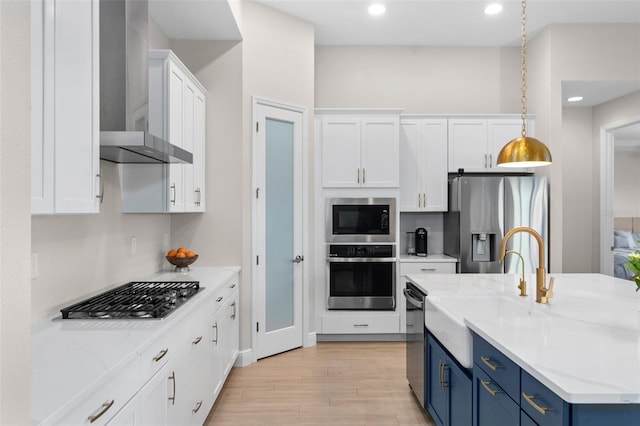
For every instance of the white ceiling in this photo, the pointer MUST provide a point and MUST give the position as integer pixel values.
(445, 22)
(413, 22)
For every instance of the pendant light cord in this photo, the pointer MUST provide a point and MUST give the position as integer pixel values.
(523, 70)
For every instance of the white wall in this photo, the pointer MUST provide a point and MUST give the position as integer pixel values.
(80, 255)
(422, 80)
(626, 194)
(274, 61)
(575, 52)
(278, 64)
(15, 210)
(577, 191)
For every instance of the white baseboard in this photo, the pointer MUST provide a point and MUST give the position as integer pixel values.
(245, 358)
(311, 340)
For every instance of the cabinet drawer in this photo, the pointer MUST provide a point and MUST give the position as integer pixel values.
(492, 405)
(105, 402)
(360, 324)
(223, 293)
(540, 403)
(501, 369)
(427, 267)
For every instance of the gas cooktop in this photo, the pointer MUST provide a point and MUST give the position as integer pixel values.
(134, 300)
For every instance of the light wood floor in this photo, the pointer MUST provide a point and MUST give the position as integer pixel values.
(333, 383)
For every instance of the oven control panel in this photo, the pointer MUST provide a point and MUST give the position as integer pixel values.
(361, 250)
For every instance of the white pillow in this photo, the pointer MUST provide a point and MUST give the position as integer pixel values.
(631, 242)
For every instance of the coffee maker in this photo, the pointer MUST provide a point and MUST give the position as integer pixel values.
(421, 242)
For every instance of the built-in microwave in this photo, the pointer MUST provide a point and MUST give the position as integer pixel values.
(356, 220)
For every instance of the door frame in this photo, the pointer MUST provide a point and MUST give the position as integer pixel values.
(307, 338)
(607, 156)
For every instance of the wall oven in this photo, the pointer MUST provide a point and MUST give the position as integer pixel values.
(354, 220)
(361, 277)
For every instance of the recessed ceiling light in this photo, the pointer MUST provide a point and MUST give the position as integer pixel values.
(574, 99)
(493, 8)
(377, 9)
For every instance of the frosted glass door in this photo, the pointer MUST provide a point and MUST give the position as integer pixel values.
(279, 224)
(279, 230)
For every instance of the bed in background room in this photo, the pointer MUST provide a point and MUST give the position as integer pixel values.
(626, 239)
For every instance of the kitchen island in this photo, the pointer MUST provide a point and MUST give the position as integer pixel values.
(583, 346)
(129, 371)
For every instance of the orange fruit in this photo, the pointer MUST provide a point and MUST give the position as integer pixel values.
(181, 255)
(191, 253)
(181, 250)
(172, 253)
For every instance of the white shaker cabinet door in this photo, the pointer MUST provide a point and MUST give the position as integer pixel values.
(423, 165)
(468, 145)
(379, 152)
(65, 114)
(341, 152)
(433, 160)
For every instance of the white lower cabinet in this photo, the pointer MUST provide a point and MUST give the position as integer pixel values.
(176, 379)
(361, 322)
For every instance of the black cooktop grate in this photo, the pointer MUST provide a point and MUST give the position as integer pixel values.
(136, 299)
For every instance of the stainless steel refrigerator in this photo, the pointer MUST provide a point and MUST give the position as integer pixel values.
(483, 208)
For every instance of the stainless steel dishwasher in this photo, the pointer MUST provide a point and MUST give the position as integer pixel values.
(415, 340)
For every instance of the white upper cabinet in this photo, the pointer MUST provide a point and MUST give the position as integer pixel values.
(474, 143)
(177, 107)
(65, 137)
(423, 165)
(360, 149)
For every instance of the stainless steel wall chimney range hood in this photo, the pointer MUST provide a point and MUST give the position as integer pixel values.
(124, 88)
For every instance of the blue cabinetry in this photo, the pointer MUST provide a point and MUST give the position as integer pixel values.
(448, 388)
(504, 394)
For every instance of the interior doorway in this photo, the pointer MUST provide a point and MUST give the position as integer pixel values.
(607, 189)
(279, 211)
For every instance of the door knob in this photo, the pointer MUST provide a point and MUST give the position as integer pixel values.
(298, 259)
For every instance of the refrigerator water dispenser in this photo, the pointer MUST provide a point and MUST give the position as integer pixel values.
(481, 247)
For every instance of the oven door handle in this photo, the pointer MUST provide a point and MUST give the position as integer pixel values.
(360, 259)
(408, 294)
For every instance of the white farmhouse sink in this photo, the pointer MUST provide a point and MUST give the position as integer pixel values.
(445, 315)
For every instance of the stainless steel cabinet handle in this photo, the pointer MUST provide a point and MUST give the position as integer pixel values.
(488, 363)
(173, 199)
(298, 259)
(160, 355)
(103, 409)
(445, 367)
(363, 176)
(485, 161)
(361, 325)
(172, 377)
(418, 200)
(233, 314)
(490, 160)
(219, 299)
(440, 372)
(530, 400)
(198, 405)
(198, 339)
(216, 328)
(428, 269)
(485, 385)
(424, 200)
(232, 285)
(101, 195)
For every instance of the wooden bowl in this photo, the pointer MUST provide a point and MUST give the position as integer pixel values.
(181, 262)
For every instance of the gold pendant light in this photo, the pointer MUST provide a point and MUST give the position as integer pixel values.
(524, 151)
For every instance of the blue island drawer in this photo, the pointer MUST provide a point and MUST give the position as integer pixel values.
(541, 404)
(501, 369)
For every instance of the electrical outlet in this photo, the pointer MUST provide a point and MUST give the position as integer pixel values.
(133, 246)
(35, 267)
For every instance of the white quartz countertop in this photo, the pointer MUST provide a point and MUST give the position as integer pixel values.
(69, 358)
(428, 258)
(584, 344)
